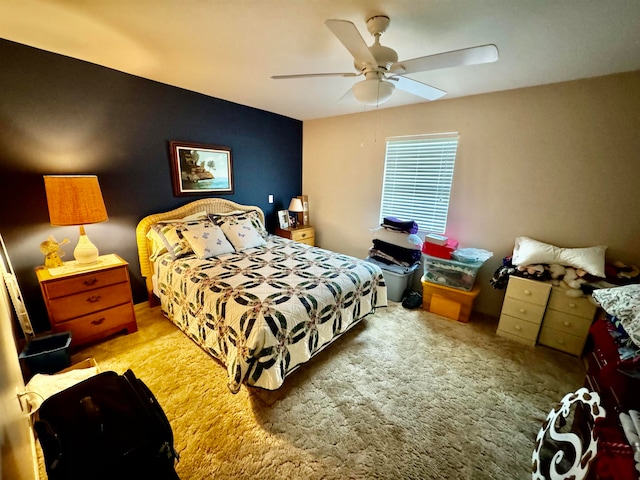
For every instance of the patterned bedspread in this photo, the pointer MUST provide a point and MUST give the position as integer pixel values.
(264, 311)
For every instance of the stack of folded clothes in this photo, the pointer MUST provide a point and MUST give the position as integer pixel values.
(396, 245)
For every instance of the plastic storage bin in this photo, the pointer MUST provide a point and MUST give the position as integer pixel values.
(450, 273)
(397, 283)
(448, 302)
(48, 354)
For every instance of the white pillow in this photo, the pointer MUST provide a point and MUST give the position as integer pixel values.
(242, 235)
(530, 252)
(207, 240)
(623, 303)
(158, 246)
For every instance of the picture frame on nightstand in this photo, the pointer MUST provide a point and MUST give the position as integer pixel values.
(283, 219)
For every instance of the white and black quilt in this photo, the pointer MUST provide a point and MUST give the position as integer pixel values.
(264, 311)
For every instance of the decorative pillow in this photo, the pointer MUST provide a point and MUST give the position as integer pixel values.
(624, 303)
(240, 216)
(529, 252)
(158, 246)
(171, 235)
(242, 234)
(207, 240)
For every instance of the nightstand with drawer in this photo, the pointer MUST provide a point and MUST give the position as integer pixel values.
(566, 322)
(92, 302)
(303, 234)
(523, 309)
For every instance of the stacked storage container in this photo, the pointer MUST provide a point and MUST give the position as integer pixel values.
(448, 282)
(397, 251)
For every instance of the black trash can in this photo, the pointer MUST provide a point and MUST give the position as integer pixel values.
(48, 354)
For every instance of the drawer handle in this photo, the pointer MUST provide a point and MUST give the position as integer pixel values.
(566, 324)
(518, 327)
(97, 321)
(94, 298)
(572, 305)
(522, 310)
(303, 235)
(527, 292)
(90, 281)
(561, 342)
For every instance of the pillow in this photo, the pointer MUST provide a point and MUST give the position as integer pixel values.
(207, 240)
(158, 247)
(242, 234)
(239, 216)
(529, 252)
(623, 303)
(171, 235)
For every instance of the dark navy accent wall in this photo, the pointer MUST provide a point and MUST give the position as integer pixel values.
(59, 115)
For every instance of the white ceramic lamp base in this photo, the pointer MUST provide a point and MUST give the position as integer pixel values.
(85, 252)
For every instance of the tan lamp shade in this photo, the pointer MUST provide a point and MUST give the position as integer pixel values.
(295, 205)
(74, 200)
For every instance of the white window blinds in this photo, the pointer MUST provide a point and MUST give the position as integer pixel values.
(418, 172)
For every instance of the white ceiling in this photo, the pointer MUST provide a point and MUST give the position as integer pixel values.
(230, 48)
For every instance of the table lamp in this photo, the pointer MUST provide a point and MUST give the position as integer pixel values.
(76, 200)
(296, 206)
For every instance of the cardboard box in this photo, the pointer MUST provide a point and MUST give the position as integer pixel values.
(86, 363)
(448, 302)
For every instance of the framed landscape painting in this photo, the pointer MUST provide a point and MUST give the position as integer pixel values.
(198, 169)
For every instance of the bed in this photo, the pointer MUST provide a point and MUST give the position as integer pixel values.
(262, 305)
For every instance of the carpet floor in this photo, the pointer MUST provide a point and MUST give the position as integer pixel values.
(405, 395)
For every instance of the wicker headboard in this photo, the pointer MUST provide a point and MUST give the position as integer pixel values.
(210, 205)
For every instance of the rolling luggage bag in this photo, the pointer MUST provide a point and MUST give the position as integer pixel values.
(109, 426)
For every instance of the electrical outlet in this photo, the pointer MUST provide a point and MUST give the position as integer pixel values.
(270, 198)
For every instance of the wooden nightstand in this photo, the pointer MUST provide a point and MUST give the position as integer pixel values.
(92, 302)
(566, 322)
(523, 309)
(304, 234)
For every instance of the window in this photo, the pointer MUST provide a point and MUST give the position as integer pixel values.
(418, 172)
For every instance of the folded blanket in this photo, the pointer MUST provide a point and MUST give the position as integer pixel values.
(389, 265)
(401, 239)
(403, 255)
(386, 259)
(393, 223)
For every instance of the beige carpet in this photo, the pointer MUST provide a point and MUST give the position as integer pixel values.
(405, 395)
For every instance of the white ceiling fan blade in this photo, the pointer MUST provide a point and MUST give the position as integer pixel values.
(349, 36)
(306, 75)
(418, 88)
(455, 58)
(348, 95)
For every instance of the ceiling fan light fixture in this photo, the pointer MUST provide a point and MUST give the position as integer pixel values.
(373, 91)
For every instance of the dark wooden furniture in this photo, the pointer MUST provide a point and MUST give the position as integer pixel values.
(619, 391)
(91, 302)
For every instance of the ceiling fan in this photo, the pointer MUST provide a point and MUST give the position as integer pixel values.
(382, 70)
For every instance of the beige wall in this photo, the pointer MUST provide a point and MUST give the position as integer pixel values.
(559, 163)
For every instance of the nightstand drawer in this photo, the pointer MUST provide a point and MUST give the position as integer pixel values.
(523, 310)
(81, 283)
(581, 306)
(96, 325)
(562, 341)
(72, 306)
(526, 331)
(301, 235)
(571, 324)
(528, 290)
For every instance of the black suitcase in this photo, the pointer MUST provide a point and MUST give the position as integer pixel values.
(109, 426)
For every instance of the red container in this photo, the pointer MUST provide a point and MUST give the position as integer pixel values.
(440, 251)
